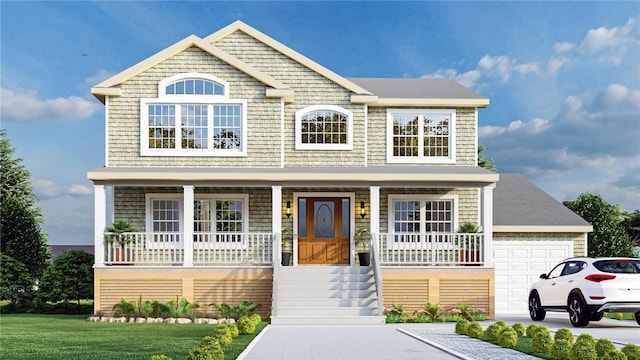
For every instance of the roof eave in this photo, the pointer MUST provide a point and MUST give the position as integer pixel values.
(542, 228)
(452, 102)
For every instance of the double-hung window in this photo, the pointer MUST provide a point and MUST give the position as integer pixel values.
(421, 218)
(324, 127)
(193, 115)
(421, 136)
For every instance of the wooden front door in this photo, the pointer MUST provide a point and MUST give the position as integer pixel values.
(323, 231)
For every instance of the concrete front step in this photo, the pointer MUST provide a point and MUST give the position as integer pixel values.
(326, 269)
(292, 303)
(327, 320)
(327, 311)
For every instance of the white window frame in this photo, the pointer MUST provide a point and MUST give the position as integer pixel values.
(191, 99)
(421, 158)
(149, 198)
(245, 219)
(338, 109)
(391, 243)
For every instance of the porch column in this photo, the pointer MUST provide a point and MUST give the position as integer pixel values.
(487, 223)
(99, 222)
(374, 208)
(188, 225)
(276, 219)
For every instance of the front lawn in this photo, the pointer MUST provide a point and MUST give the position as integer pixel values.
(29, 336)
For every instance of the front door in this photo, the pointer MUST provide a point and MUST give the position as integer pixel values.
(323, 231)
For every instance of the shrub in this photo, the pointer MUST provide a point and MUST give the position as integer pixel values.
(256, 318)
(617, 316)
(564, 334)
(542, 341)
(212, 346)
(124, 308)
(160, 357)
(614, 355)
(395, 314)
(461, 326)
(603, 346)
(234, 330)
(434, 311)
(587, 338)
(246, 326)
(561, 349)
(583, 350)
(632, 351)
(519, 328)
(532, 329)
(223, 334)
(493, 331)
(244, 308)
(508, 338)
(474, 330)
(421, 316)
(206, 353)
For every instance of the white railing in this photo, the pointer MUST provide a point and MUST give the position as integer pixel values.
(431, 249)
(168, 249)
(377, 272)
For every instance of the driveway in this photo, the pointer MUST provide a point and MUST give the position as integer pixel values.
(620, 332)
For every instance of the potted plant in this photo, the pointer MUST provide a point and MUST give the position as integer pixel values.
(362, 240)
(117, 233)
(468, 252)
(287, 245)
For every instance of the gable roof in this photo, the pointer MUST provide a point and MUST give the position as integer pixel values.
(111, 85)
(420, 92)
(519, 205)
(287, 51)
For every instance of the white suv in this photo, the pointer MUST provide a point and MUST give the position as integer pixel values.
(586, 288)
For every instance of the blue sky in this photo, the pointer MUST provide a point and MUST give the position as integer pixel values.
(563, 79)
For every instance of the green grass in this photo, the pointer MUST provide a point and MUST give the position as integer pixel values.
(29, 336)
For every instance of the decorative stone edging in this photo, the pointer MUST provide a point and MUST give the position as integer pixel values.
(138, 320)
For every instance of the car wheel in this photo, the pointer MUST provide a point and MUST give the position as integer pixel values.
(597, 316)
(535, 309)
(578, 312)
(638, 317)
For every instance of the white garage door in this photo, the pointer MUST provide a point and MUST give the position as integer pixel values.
(518, 265)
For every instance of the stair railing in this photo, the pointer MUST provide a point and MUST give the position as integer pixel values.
(377, 270)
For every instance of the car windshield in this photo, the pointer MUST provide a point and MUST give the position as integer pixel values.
(618, 266)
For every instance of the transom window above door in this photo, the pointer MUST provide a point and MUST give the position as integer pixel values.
(421, 136)
(324, 127)
(193, 116)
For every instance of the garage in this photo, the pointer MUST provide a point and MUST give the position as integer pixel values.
(517, 265)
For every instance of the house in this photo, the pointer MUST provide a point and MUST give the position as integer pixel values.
(229, 152)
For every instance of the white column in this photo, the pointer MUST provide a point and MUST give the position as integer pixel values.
(374, 208)
(99, 222)
(188, 225)
(487, 223)
(276, 220)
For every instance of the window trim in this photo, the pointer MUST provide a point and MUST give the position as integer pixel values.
(149, 198)
(298, 128)
(423, 198)
(191, 99)
(421, 159)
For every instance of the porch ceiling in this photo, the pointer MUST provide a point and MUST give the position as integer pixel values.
(449, 176)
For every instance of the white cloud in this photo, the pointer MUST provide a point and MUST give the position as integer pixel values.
(76, 189)
(602, 38)
(99, 77)
(563, 47)
(467, 79)
(27, 107)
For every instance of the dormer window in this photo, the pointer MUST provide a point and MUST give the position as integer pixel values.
(324, 127)
(193, 115)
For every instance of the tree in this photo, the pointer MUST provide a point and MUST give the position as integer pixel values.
(15, 180)
(484, 162)
(608, 237)
(20, 236)
(16, 285)
(631, 224)
(70, 277)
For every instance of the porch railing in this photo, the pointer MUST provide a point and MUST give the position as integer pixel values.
(431, 249)
(208, 249)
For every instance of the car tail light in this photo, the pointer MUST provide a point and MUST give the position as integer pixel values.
(597, 297)
(599, 277)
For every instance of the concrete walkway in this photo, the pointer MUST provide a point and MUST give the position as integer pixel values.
(348, 342)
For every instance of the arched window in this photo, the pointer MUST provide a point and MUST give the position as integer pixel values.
(193, 116)
(324, 127)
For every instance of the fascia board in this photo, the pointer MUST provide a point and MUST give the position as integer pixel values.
(474, 103)
(286, 94)
(240, 26)
(541, 229)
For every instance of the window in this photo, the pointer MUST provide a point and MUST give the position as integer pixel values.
(324, 127)
(193, 116)
(164, 218)
(421, 136)
(225, 217)
(411, 216)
